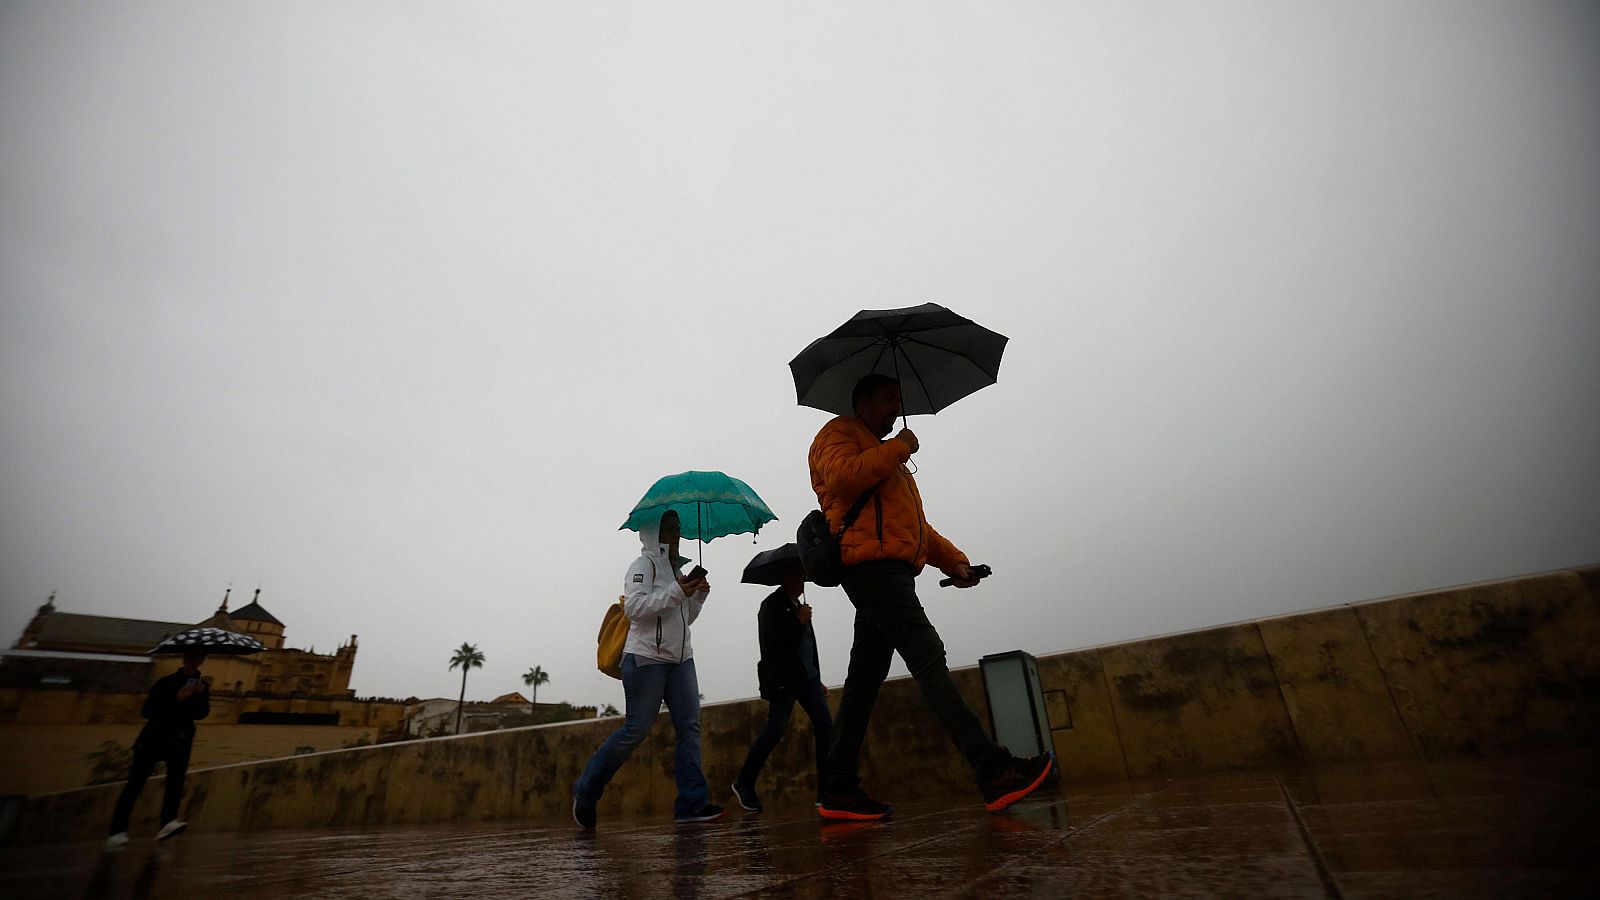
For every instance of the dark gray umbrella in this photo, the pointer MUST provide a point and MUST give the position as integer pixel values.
(769, 566)
(213, 641)
(938, 356)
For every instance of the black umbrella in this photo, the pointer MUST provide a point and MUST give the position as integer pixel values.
(213, 641)
(938, 357)
(769, 566)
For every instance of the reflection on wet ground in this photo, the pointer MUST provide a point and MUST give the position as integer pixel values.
(1524, 827)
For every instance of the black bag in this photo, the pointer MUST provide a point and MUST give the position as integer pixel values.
(819, 547)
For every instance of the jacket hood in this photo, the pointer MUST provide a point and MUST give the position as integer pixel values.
(650, 535)
(650, 540)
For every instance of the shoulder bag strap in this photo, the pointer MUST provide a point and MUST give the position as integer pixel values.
(856, 508)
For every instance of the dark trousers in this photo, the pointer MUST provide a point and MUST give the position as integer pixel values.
(813, 698)
(147, 751)
(889, 620)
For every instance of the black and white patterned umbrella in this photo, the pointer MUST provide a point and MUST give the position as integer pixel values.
(215, 641)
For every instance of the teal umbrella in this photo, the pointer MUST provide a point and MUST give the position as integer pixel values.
(709, 505)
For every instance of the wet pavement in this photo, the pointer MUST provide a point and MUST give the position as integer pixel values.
(1512, 828)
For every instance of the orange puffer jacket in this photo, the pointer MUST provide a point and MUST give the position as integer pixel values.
(847, 459)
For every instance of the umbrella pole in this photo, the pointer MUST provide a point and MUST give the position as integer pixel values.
(699, 542)
(894, 354)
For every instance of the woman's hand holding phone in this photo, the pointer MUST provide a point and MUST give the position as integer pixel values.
(695, 582)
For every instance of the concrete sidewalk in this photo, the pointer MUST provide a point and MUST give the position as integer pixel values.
(1524, 827)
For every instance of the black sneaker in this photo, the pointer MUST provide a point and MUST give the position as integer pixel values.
(747, 797)
(583, 815)
(708, 813)
(852, 805)
(1015, 779)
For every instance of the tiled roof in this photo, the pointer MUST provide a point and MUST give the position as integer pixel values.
(66, 631)
(255, 612)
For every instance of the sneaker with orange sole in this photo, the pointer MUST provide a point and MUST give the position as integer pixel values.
(851, 805)
(1016, 779)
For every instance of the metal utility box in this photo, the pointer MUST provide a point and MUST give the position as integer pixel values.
(1017, 713)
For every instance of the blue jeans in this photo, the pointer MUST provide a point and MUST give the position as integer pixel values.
(644, 687)
(813, 698)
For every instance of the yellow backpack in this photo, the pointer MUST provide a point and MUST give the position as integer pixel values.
(613, 634)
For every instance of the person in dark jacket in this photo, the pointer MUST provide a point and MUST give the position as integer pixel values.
(174, 704)
(788, 673)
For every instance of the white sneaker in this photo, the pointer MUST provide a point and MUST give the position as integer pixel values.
(117, 841)
(170, 829)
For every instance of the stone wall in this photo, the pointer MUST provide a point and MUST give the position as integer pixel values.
(1481, 670)
(46, 734)
(66, 706)
(1475, 670)
(36, 758)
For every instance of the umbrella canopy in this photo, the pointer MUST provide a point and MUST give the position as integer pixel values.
(938, 356)
(769, 566)
(709, 505)
(213, 641)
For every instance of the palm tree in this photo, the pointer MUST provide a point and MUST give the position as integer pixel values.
(109, 763)
(533, 678)
(467, 657)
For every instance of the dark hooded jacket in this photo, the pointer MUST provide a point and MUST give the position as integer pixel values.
(782, 668)
(168, 717)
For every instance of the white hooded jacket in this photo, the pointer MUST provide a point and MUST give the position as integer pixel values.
(659, 615)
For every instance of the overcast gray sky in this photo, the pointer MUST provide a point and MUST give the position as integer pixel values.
(394, 310)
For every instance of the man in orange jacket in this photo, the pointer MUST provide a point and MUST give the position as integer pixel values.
(882, 552)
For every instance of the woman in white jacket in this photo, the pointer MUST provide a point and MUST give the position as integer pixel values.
(657, 665)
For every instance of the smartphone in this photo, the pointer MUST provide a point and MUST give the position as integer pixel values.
(979, 572)
(697, 572)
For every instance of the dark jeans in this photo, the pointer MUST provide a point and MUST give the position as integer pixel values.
(813, 698)
(889, 620)
(172, 749)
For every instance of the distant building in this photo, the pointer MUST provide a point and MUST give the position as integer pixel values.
(62, 651)
(437, 717)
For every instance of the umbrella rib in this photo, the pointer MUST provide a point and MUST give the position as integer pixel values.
(869, 341)
(916, 340)
(955, 359)
(922, 383)
(885, 345)
(949, 350)
(856, 352)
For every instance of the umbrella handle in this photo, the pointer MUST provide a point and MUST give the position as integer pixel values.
(909, 461)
